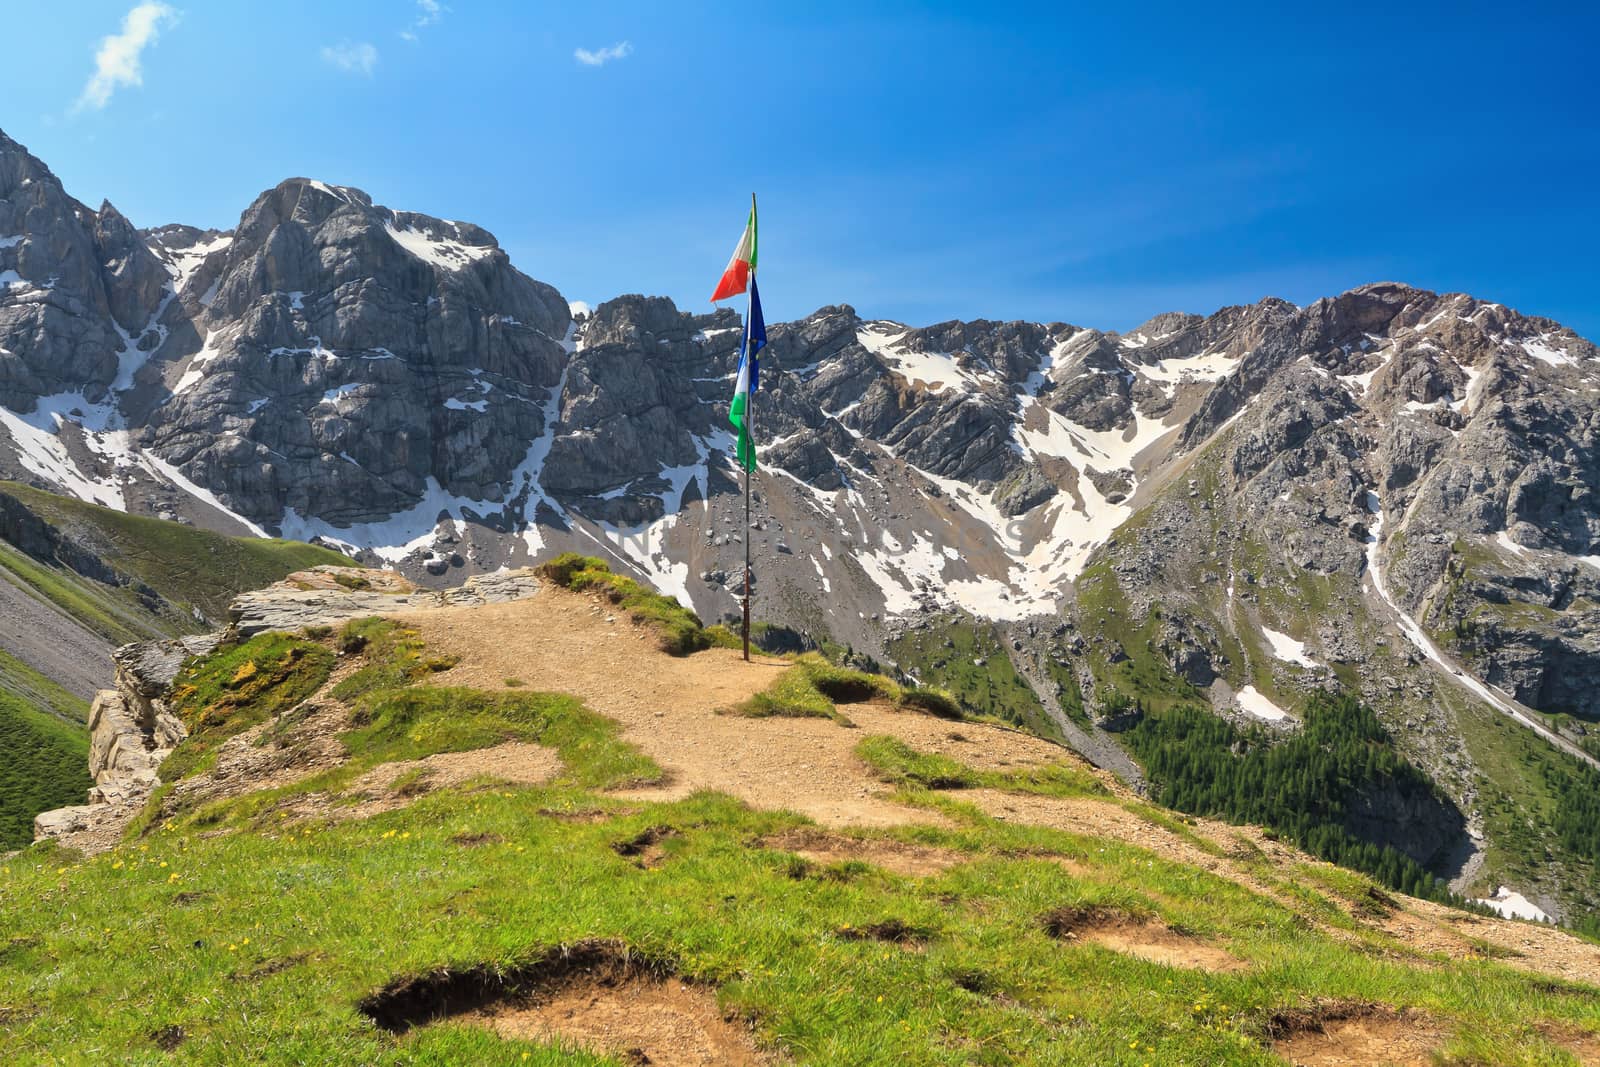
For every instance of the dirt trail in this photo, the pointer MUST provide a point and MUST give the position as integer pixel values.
(667, 705)
(566, 642)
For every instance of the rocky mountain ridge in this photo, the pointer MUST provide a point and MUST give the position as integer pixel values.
(1389, 490)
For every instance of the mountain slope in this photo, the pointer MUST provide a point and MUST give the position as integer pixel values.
(598, 834)
(1391, 492)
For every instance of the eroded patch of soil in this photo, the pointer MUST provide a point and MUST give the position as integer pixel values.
(890, 931)
(1344, 1034)
(1585, 1047)
(168, 1037)
(594, 994)
(898, 857)
(644, 848)
(1147, 938)
(517, 762)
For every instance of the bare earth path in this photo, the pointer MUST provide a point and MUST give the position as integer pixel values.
(565, 642)
(562, 642)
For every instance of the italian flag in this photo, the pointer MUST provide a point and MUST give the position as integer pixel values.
(743, 264)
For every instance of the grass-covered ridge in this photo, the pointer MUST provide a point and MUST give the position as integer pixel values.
(390, 718)
(267, 941)
(815, 687)
(188, 566)
(262, 922)
(679, 628)
(408, 724)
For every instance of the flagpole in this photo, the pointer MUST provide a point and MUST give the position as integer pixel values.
(749, 416)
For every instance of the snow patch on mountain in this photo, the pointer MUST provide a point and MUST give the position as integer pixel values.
(445, 253)
(1287, 648)
(1205, 367)
(1545, 353)
(1256, 703)
(1514, 905)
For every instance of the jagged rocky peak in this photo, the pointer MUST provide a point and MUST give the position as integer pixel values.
(1161, 328)
(72, 282)
(308, 237)
(640, 397)
(345, 361)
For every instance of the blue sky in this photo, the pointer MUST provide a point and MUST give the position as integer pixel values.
(922, 162)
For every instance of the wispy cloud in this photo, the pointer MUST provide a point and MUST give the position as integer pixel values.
(429, 12)
(358, 58)
(116, 64)
(620, 50)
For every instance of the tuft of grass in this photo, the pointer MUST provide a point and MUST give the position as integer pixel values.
(237, 687)
(394, 656)
(932, 701)
(679, 629)
(413, 783)
(813, 687)
(515, 683)
(900, 764)
(721, 636)
(791, 695)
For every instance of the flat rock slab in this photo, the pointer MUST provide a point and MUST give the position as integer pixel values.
(288, 606)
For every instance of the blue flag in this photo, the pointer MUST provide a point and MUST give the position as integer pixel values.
(757, 335)
(750, 346)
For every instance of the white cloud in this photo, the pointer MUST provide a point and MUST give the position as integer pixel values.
(428, 13)
(620, 50)
(116, 64)
(358, 58)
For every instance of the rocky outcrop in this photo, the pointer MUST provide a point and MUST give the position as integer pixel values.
(329, 596)
(346, 359)
(131, 732)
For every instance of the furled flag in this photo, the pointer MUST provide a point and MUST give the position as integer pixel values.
(743, 263)
(745, 383)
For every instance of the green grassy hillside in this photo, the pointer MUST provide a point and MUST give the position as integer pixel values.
(43, 765)
(269, 929)
(189, 567)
